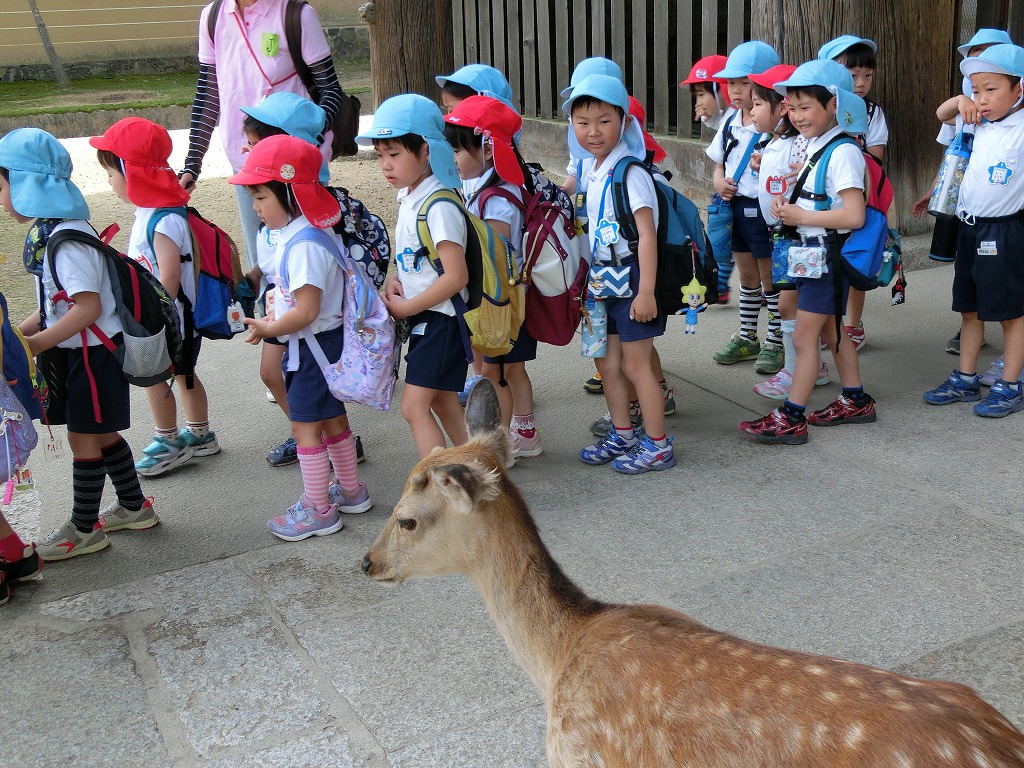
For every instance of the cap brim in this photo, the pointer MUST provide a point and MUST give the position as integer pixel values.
(731, 74)
(248, 179)
(100, 142)
(974, 66)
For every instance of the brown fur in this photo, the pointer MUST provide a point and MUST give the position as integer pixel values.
(643, 686)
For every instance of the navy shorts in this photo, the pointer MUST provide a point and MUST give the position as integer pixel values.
(817, 294)
(436, 358)
(524, 350)
(309, 399)
(111, 392)
(750, 233)
(619, 322)
(988, 276)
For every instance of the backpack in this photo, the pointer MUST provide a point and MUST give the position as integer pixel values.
(19, 367)
(18, 386)
(367, 371)
(684, 252)
(345, 123)
(494, 312)
(150, 351)
(554, 265)
(364, 235)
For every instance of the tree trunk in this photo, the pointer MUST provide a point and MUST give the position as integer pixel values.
(916, 67)
(59, 73)
(410, 44)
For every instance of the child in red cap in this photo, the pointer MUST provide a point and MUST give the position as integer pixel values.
(282, 174)
(710, 98)
(136, 156)
(481, 131)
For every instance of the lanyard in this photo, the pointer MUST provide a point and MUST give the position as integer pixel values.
(600, 216)
(252, 53)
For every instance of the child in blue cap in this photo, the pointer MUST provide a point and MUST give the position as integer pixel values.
(823, 108)
(36, 188)
(988, 281)
(602, 128)
(415, 158)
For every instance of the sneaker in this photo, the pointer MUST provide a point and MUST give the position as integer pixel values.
(823, 375)
(670, 399)
(162, 455)
(953, 390)
(201, 446)
(993, 374)
(843, 410)
(594, 385)
(23, 569)
(270, 396)
(953, 345)
(775, 428)
(67, 541)
(360, 454)
(856, 334)
(526, 443)
(645, 456)
(600, 427)
(470, 381)
(355, 504)
(740, 347)
(770, 359)
(609, 447)
(116, 518)
(286, 453)
(723, 297)
(1002, 399)
(777, 387)
(301, 522)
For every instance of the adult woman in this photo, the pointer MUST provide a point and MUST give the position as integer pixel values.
(243, 57)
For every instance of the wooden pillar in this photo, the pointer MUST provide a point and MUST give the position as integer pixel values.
(917, 60)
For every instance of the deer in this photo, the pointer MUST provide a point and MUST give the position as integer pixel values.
(646, 686)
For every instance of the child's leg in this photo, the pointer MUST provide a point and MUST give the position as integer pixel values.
(972, 338)
(346, 493)
(197, 433)
(845, 356)
(446, 407)
(426, 433)
(750, 292)
(272, 375)
(167, 450)
(616, 392)
(1013, 348)
(808, 331)
(636, 362)
(522, 389)
(314, 463)
(855, 308)
(164, 408)
(772, 296)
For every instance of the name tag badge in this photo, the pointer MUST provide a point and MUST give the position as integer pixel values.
(750, 213)
(418, 330)
(776, 185)
(407, 261)
(272, 236)
(987, 248)
(607, 232)
(270, 44)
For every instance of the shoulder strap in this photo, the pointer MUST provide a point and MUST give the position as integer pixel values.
(293, 37)
(155, 218)
(620, 197)
(310, 235)
(728, 141)
(504, 194)
(751, 146)
(826, 154)
(211, 20)
(811, 162)
(421, 221)
(76, 236)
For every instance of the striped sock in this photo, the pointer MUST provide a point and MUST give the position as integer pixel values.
(315, 467)
(774, 334)
(724, 273)
(342, 450)
(170, 435)
(120, 465)
(198, 428)
(88, 477)
(750, 308)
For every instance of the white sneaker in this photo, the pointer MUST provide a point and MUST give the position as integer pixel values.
(823, 376)
(270, 396)
(993, 374)
(67, 541)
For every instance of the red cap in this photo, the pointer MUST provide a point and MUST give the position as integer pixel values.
(701, 71)
(296, 163)
(145, 150)
(773, 75)
(498, 123)
(636, 109)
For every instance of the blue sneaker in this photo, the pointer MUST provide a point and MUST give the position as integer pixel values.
(470, 381)
(954, 390)
(286, 453)
(609, 447)
(162, 455)
(300, 522)
(1003, 399)
(645, 457)
(201, 446)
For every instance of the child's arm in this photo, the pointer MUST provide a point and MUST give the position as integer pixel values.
(725, 187)
(305, 311)
(454, 279)
(569, 185)
(168, 260)
(86, 311)
(31, 325)
(500, 227)
(644, 307)
(877, 151)
(850, 216)
(959, 105)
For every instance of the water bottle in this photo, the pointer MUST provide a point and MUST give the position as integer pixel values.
(594, 330)
(946, 190)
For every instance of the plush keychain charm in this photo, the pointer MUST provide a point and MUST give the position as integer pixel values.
(693, 297)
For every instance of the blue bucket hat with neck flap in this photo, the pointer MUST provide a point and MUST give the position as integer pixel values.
(39, 169)
(295, 116)
(851, 111)
(485, 80)
(595, 65)
(610, 90)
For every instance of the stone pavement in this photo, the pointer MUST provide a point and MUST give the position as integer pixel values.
(206, 642)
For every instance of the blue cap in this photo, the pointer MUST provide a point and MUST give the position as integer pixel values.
(611, 91)
(985, 37)
(295, 116)
(833, 48)
(411, 113)
(39, 169)
(485, 80)
(750, 58)
(851, 110)
(1006, 59)
(596, 65)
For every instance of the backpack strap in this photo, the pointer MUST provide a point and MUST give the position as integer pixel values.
(188, 316)
(293, 37)
(211, 20)
(821, 201)
(620, 199)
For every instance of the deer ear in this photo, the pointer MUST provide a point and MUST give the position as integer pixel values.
(483, 414)
(466, 485)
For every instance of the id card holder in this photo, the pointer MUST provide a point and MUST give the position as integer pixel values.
(807, 261)
(609, 282)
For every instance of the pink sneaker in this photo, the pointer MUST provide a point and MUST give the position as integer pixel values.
(823, 377)
(777, 387)
(527, 443)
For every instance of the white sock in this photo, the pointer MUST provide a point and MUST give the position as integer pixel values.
(788, 326)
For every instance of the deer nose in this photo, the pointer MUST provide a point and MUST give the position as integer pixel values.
(366, 565)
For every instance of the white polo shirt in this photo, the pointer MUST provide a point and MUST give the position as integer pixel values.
(993, 183)
(747, 184)
(309, 264)
(845, 170)
(878, 129)
(600, 202)
(775, 166)
(497, 208)
(176, 228)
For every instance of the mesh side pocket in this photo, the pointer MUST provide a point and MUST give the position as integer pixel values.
(145, 356)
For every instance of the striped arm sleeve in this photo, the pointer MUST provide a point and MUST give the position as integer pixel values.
(329, 89)
(205, 113)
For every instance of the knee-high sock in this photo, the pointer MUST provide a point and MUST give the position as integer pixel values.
(120, 465)
(315, 468)
(342, 450)
(750, 308)
(88, 477)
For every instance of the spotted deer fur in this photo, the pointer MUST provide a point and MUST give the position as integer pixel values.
(643, 686)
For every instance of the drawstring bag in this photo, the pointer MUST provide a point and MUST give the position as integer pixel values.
(17, 434)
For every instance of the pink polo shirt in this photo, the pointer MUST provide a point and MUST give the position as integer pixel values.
(252, 60)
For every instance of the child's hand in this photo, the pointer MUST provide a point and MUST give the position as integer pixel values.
(644, 307)
(969, 110)
(397, 305)
(755, 161)
(794, 171)
(699, 112)
(777, 202)
(726, 188)
(789, 213)
(393, 288)
(259, 329)
(921, 205)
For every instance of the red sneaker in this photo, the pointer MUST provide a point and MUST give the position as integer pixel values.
(723, 297)
(776, 428)
(856, 334)
(843, 410)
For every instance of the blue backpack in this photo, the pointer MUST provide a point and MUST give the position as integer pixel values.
(684, 252)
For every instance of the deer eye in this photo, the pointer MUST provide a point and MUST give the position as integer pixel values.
(406, 523)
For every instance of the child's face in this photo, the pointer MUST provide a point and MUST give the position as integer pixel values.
(598, 128)
(449, 102)
(269, 208)
(705, 104)
(863, 79)
(472, 163)
(765, 116)
(5, 201)
(739, 92)
(251, 140)
(808, 115)
(118, 183)
(994, 93)
(402, 167)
